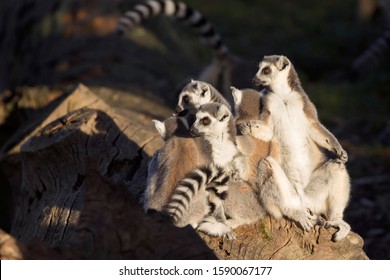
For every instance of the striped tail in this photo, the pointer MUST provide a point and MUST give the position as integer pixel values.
(210, 178)
(177, 10)
(374, 54)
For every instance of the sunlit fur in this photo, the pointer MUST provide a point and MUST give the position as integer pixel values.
(312, 160)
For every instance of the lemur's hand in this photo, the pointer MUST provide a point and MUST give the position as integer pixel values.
(257, 129)
(245, 128)
(341, 153)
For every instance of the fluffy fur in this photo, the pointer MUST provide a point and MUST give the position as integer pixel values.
(312, 162)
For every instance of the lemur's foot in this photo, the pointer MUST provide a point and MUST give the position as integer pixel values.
(231, 235)
(305, 219)
(343, 229)
(212, 227)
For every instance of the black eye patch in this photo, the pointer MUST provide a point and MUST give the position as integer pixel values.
(266, 70)
(205, 121)
(185, 99)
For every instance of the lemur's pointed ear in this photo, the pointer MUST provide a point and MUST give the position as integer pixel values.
(205, 88)
(282, 63)
(160, 126)
(237, 96)
(223, 113)
(192, 81)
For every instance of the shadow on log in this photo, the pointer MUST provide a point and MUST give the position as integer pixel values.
(82, 175)
(112, 226)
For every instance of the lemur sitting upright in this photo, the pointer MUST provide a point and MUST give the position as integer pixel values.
(312, 166)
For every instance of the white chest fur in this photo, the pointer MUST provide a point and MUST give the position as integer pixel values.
(223, 151)
(290, 127)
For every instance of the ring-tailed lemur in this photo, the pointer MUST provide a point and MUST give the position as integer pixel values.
(225, 70)
(248, 104)
(312, 169)
(215, 124)
(160, 174)
(197, 93)
(215, 127)
(191, 97)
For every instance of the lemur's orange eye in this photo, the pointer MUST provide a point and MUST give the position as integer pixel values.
(266, 70)
(185, 99)
(205, 121)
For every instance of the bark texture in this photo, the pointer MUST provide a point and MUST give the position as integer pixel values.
(83, 171)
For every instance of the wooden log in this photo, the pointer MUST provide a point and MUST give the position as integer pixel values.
(271, 239)
(81, 176)
(79, 97)
(84, 213)
(112, 226)
(54, 164)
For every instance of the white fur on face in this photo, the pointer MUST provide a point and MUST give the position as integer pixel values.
(276, 79)
(265, 80)
(214, 129)
(199, 95)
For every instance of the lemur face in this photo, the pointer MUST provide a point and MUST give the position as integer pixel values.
(266, 74)
(193, 95)
(212, 119)
(270, 69)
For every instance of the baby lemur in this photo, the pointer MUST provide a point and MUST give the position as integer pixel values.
(311, 170)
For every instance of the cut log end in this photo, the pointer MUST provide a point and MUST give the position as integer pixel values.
(58, 130)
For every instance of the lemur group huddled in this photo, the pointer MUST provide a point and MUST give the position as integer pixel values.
(228, 163)
(220, 167)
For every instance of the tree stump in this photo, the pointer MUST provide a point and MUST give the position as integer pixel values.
(82, 174)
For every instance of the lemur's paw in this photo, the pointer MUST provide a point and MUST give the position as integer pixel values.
(244, 128)
(341, 154)
(249, 127)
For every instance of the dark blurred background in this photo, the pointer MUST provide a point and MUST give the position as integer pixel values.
(51, 45)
